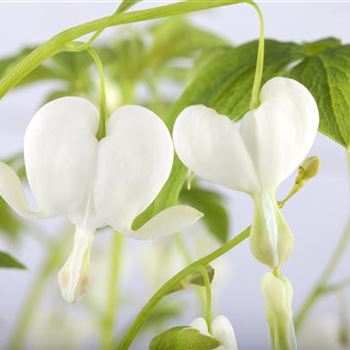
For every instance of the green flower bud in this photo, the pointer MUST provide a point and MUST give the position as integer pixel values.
(308, 169)
(271, 239)
(278, 294)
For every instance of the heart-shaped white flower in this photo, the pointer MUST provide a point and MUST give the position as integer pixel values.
(253, 156)
(95, 183)
(221, 330)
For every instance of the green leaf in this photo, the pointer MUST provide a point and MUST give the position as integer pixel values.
(182, 337)
(7, 261)
(327, 76)
(315, 47)
(210, 204)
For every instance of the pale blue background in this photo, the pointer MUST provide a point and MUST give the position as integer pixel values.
(317, 215)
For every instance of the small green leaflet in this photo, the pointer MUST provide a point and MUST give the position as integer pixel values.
(9, 262)
(182, 337)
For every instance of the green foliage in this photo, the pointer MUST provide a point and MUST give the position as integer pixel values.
(211, 205)
(327, 76)
(9, 262)
(182, 337)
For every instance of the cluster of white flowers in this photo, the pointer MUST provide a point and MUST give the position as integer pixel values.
(109, 182)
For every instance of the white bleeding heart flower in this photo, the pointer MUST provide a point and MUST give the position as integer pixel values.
(254, 155)
(95, 183)
(221, 330)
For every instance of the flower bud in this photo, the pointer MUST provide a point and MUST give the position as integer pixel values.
(278, 294)
(308, 169)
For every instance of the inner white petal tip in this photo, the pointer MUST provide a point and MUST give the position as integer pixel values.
(74, 278)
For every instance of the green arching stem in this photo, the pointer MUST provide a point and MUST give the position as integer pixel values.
(208, 312)
(109, 319)
(54, 258)
(321, 285)
(58, 43)
(101, 133)
(173, 282)
(77, 46)
(254, 102)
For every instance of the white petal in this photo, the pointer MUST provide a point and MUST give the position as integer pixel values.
(134, 162)
(223, 332)
(201, 325)
(167, 222)
(60, 153)
(74, 277)
(281, 131)
(210, 145)
(12, 192)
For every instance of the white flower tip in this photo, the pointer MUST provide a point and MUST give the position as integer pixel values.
(74, 278)
(73, 290)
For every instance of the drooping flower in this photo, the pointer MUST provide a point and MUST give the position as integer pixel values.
(278, 295)
(221, 330)
(253, 156)
(95, 183)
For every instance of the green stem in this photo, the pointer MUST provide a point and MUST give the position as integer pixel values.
(58, 42)
(336, 287)
(173, 282)
(255, 101)
(77, 46)
(321, 284)
(208, 312)
(101, 133)
(54, 258)
(109, 320)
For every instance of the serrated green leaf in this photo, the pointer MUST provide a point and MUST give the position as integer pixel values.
(211, 205)
(9, 262)
(182, 337)
(327, 76)
(315, 47)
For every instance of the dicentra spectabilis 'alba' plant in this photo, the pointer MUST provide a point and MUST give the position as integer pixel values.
(95, 183)
(253, 156)
(221, 330)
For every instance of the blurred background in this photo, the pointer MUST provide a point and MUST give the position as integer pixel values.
(317, 215)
